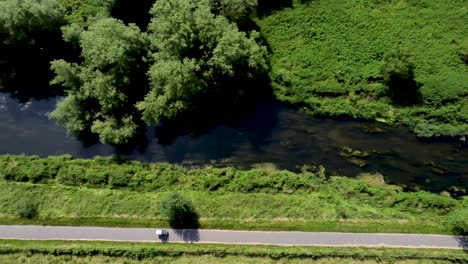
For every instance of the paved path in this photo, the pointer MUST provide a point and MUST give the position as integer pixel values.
(231, 237)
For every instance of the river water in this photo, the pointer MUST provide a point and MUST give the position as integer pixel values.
(272, 136)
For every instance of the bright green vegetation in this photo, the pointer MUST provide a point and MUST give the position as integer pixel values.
(184, 60)
(329, 57)
(106, 191)
(24, 20)
(179, 211)
(192, 55)
(114, 252)
(400, 62)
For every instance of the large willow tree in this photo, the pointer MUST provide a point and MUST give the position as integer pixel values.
(192, 55)
(198, 55)
(104, 87)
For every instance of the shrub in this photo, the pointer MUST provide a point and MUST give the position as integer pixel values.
(459, 223)
(97, 177)
(179, 211)
(398, 74)
(71, 175)
(119, 178)
(26, 208)
(424, 200)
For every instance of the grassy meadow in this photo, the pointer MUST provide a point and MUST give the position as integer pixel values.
(327, 57)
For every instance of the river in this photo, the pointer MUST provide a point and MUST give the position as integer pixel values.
(273, 136)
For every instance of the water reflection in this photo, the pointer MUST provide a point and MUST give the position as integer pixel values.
(271, 135)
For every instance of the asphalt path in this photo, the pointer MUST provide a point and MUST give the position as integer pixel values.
(232, 237)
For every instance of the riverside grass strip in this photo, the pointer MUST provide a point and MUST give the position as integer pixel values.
(226, 198)
(141, 251)
(65, 205)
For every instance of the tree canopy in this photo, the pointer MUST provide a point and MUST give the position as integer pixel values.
(103, 89)
(197, 54)
(193, 53)
(22, 20)
(179, 211)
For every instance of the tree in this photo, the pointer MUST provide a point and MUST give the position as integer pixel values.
(82, 14)
(398, 75)
(179, 211)
(103, 89)
(25, 20)
(200, 58)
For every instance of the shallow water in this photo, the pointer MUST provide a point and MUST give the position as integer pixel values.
(272, 136)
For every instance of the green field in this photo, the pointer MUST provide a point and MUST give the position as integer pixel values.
(327, 57)
(256, 199)
(111, 252)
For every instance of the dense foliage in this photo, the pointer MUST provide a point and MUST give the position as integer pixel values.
(103, 89)
(327, 57)
(192, 55)
(116, 173)
(199, 54)
(459, 224)
(332, 58)
(179, 211)
(24, 20)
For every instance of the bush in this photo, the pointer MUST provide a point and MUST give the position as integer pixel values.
(119, 178)
(97, 177)
(459, 223)
(136, 175)
(71, 175)
(398, 74)
(26, 208)
(180, 212)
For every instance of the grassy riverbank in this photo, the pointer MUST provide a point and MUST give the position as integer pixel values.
(327, 57)
(113, 252)
(62, 205)
(224, 198)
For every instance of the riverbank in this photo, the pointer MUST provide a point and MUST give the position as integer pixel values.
(110, 192)
(327, 57)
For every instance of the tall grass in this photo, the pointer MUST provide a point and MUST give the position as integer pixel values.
(328, 54)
